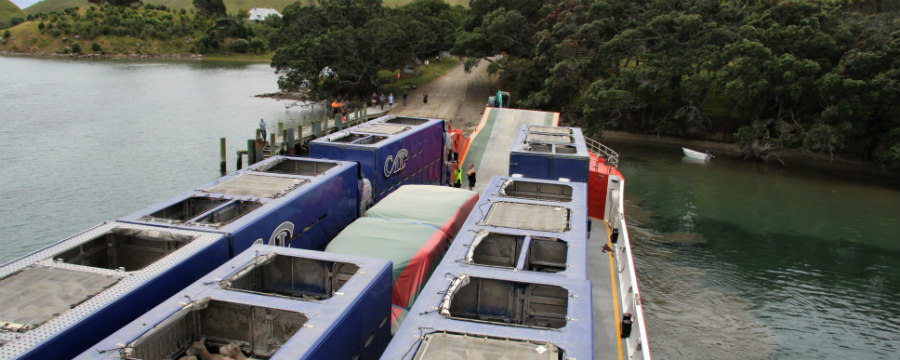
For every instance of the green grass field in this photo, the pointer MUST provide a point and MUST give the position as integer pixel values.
(8, 10)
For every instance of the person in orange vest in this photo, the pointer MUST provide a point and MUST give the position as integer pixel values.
(336, 107)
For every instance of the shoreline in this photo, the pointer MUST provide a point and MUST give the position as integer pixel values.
(215, 57)
(103, 56)
(840, 166)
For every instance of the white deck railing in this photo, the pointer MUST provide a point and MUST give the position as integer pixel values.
(603, 151)
(637, 346)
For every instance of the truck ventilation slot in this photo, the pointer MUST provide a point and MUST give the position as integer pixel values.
(258, 330)
(292, 277)
(444, 345)
(524, 189)
(565, 149)
(528, 216)
(549, 138)
(406, 121)
(345, 137)
(506, 302)
(43, 293)
(186, 209)
(505, 250)
(126, 249)
(539, 147)
(227, 213)
(297, 167)
(495, 249)
(383, 128)
(549, 130)
(263, 186)
(369, 140)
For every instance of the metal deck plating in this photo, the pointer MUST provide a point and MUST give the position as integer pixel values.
(87, 320)
(273, 302)
(284, 200)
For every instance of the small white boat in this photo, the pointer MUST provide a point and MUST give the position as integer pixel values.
(694, 154)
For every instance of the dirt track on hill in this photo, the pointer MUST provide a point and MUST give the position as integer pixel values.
(457, 97)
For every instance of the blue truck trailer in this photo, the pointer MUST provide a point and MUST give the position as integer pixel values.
(268, 302)
(284, 201)
(59, 300)
(392, 151)
(550, 152)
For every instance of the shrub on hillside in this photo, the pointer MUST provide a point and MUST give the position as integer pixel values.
(240, 46)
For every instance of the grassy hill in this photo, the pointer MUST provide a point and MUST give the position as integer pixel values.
(231, 5)
(8, 10)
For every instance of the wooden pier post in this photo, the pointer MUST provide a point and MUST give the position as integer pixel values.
(222, 168)
(298, 149)
(240, 158)
(251, 151)
(280, 126)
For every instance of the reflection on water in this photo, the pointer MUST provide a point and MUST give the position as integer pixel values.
(740, 260)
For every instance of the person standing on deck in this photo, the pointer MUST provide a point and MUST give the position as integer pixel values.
(471, 174)
(381, 101)
(457, 175)
(262, 129)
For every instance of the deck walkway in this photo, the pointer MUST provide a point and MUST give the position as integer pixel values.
(490, 143)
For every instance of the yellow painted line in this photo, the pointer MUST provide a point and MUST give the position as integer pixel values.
(612, 278)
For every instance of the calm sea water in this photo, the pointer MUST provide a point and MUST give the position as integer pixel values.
(736, 260)
(86, 141)
(739, 260)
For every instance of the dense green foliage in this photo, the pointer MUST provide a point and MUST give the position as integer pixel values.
(142, 22)
(188, 32)
(210, 8)
(767, 74)
(336, 49)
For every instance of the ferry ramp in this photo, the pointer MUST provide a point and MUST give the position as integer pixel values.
(490, 143)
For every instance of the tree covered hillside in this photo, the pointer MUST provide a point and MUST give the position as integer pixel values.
(10, 14)
(766, 74)
(232, 5)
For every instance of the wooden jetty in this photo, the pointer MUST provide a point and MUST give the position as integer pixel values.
(293, 141)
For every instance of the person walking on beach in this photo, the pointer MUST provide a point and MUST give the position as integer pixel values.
(262, 129)
(471, 174)
(425, 98)
(391, 100)
(381, 101)
(404, 97)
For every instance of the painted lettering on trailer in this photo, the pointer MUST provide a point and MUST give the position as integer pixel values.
(282, 234)
(396, 163)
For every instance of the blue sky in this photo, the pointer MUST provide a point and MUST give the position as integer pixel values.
(24, 3)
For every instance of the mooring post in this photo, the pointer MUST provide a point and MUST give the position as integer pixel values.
(251, 151)
(280, 126)
(299, 139)
(272, 150)
(222, 168)
(240, 159)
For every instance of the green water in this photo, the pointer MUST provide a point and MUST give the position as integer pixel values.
(736, 260)
(749, 261)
